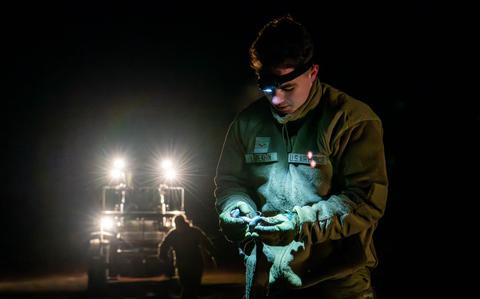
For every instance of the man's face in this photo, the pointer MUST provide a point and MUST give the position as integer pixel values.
(289, 96)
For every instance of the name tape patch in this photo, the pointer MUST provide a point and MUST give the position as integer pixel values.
(261, 158)
(303, 159)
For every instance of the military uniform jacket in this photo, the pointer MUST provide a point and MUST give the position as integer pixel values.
(339, 201)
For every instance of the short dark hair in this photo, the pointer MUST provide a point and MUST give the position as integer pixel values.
(181, 220)
(282, 42)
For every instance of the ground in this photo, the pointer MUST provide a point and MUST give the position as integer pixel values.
(215, 284)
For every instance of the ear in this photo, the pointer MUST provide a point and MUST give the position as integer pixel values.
(314, 72)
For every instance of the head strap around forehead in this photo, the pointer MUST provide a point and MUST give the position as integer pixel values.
(269, 79)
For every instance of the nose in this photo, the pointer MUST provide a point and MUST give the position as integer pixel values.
(278, 98)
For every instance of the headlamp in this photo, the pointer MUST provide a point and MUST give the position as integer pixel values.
(269, 82)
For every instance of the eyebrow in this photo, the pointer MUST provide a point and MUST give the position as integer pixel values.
(287, 85)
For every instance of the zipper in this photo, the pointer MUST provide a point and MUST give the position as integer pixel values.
(286, 139)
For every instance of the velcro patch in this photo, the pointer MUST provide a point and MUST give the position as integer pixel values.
(261, 158)
(261, 145)
(303, 159)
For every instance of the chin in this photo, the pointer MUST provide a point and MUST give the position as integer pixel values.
(283, 112)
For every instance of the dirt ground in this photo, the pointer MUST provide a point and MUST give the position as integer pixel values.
(215, 285)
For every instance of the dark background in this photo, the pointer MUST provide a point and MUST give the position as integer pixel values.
(84, 81)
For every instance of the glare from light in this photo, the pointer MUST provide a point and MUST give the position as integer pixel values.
(116, 174)
(170, 174)
(183, 159)
(119, 164)
(106, 223)
(167, 164)
(268, 90)
(310, 155)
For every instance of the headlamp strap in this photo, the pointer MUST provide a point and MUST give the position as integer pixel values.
(266, 80)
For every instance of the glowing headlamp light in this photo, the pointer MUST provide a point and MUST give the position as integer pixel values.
(268, 82)
(269, 90)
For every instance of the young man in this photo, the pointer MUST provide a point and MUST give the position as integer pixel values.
(301, 182)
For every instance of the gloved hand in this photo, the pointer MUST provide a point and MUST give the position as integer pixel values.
(280, 229)
(232, 220)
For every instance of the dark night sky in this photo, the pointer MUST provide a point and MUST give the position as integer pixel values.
(86, 80)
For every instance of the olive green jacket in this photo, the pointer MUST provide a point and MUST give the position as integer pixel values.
(339, 202)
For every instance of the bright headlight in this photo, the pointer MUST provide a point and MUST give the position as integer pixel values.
(117, 173)
(167, 164)
(119, 164)
(168, 170)
(170, 174)
(107, 223)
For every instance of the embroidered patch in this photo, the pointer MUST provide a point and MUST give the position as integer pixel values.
(261, 145)
(261, 158)
(303, 159)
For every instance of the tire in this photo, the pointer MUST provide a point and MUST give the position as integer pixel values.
(97, 276)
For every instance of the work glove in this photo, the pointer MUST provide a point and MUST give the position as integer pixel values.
(233, 220)
(280, 229)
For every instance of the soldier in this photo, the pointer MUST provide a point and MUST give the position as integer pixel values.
(187, 241)
(302, 176)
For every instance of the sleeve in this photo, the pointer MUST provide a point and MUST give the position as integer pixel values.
(204, 241)
(361, 185)
(231, 184)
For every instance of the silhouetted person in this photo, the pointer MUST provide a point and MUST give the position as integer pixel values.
(187, 241)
